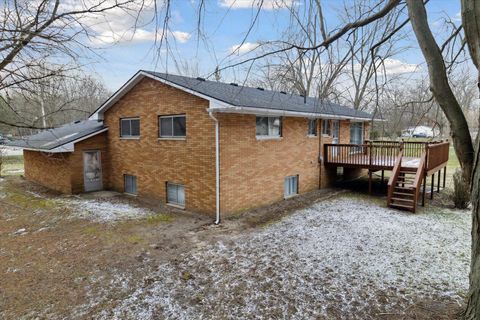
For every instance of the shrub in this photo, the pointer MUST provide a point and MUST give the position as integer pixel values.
(461, 192)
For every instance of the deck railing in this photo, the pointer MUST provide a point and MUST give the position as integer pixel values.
(437, 155)
(383, 154)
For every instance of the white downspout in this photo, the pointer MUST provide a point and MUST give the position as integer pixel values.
(217, 169)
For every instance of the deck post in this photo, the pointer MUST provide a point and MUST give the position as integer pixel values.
(438, 181)
(444, 176)
(424, 189)
(370, 181)
(383, 176)
(432, 186)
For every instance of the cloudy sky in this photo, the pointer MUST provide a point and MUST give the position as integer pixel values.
(120, 52)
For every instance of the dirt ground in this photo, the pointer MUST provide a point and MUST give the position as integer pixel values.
(57, 263)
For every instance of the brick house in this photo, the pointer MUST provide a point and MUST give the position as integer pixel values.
(201, 145)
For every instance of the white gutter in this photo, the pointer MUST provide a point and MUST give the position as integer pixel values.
(217, 169)
(277, 112)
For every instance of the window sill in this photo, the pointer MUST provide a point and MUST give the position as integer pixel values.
(269, 137)
(130, 138)
(130, 194)
(176, 206)
(311, 136)
(173, 138)
(290, 196)
(326, 135)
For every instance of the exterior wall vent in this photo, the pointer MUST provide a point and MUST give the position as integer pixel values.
(200, 78)
(234, 84)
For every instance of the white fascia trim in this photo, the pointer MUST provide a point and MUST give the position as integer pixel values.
(67, 147)
(136, 79)
(277, 112)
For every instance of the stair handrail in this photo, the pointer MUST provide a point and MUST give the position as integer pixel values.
(394, 176)
(417, 182)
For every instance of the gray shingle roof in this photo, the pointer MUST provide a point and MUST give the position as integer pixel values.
(53, 138)
(242, 96)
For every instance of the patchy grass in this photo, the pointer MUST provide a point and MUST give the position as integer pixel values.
(159, 218)
(12, 165)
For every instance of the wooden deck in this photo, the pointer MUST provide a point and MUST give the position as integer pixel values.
(410, 162)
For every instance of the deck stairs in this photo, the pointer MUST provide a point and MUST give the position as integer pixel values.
(405, 183)
(403, 195)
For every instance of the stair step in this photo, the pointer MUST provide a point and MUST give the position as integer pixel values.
(404, 188)
(402, 194)
(401, 206)
(402, 199)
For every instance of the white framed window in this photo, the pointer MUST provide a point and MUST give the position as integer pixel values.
(172, 126)
(130, 184)
(356, 132)
(326, 130)
(130, 127)
(312, 127)
(268, 126)
(290, 186)
(176, 194)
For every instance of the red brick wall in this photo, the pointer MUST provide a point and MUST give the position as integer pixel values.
(253, 171)
(51, 170)
(190, 162)
(63, 172)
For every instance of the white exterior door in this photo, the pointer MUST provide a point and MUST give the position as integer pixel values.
(92, 171)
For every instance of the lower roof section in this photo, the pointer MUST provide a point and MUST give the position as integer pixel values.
(61, 139)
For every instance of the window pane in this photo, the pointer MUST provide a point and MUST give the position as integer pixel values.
(130, 184)
(124, 128)
(262, 126)
(274, 126)
(166, 129)
(312, 127)
(171, 193)
(179, 128)
(181, 195)
(135, 127)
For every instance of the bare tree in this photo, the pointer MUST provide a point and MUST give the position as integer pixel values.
(32, 33)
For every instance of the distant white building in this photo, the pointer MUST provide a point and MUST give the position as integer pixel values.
(420, 132)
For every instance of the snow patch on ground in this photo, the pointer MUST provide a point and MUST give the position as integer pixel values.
(338, 259)
(106, 210)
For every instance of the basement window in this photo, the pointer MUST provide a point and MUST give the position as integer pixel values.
(130, 184)
(130, 127)
(176, 194)
(172, 126)
(269, 127)
(290, 186)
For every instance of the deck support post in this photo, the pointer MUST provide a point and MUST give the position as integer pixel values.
(444, 176)
(424, 189)
(432, 186)
(383, 176)
(370, 181)
(438, 182)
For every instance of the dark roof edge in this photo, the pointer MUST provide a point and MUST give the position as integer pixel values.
(78, 139)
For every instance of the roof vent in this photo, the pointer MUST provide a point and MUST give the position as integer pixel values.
(200, 78)
(260, 88)
(283, 92)
(234, 84)
(78, 121)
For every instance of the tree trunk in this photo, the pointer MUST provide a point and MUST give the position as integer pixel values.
(473, 306)
(471, 26)
(440, 87)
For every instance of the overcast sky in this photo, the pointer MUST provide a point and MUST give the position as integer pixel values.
(121, 52)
